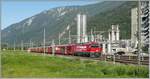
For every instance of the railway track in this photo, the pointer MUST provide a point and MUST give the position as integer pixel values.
(120, 59)
(127, 59)
(133, 60)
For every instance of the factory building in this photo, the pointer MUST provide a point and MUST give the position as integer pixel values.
(113, 39)
(113, 43)
(114, 33)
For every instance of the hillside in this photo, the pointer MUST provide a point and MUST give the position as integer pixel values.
(55, 20)
(120, 15)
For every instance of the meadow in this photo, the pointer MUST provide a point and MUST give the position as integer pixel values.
(21, 64)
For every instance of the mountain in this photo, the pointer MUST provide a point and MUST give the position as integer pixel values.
(120, 15)
(55, 21)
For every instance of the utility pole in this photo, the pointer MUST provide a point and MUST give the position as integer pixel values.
(14, 46)
(30, 43)
(0, 35)
(69, 38)
(0, 43)
(92, 37)
(149, 34)
(22, 45)
(53, 47)
(44, 41)
(7, 46)
(59, 38)
(22, 42)
(139, 31)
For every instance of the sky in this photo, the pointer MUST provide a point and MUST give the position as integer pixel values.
(14, 11)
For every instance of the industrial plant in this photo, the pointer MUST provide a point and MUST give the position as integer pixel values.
(105, 39)
(109, 41)
(96, 43)
(113, 43)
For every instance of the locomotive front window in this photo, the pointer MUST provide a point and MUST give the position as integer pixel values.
(94, 46)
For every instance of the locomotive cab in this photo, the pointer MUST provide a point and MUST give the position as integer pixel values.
(91, 49)
(95, 50)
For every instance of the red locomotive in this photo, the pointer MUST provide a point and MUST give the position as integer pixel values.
(91, 49)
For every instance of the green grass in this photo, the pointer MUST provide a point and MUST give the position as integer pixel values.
(23, 64)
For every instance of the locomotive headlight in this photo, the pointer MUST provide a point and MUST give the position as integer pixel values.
(81, 47)
(56, 48)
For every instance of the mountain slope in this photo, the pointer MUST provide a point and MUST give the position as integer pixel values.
(120, 15)
(56, 20)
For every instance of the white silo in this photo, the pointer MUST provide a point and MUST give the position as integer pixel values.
(81, 28)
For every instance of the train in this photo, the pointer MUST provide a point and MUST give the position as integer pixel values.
(89, 49)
